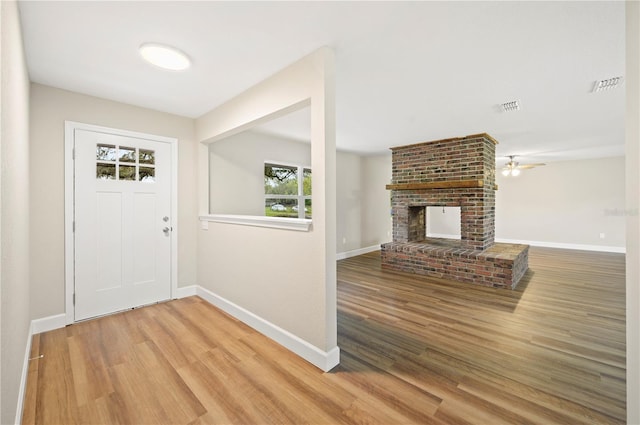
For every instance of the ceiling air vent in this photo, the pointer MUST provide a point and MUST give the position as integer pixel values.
(608, 84)
(514, 105)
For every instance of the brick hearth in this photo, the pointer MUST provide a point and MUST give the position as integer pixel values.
(456, 172)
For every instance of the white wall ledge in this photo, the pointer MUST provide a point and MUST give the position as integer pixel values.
(298, 224)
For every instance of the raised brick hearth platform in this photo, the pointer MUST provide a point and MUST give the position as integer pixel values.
(456, 172)
(500, 266)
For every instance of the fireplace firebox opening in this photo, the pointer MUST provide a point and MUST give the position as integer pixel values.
(434, 221)
(444, 222)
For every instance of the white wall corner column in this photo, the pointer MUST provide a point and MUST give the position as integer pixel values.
(273, 275)
(632, 166)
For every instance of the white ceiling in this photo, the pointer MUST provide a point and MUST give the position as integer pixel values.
(406, 72)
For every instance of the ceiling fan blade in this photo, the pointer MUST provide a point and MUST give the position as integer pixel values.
(528, 166)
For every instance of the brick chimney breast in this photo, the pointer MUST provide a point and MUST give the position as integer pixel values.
(458, 172)
(449, 162)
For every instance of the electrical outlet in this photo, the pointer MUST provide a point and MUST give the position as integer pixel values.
(344, 240)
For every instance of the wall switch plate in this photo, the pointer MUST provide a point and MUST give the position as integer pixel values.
(204, 225)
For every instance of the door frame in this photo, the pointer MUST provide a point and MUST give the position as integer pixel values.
(69, 205)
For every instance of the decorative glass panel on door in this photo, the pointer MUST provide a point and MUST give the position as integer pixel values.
(126, 154)
(127, 172)
(125, 163)
(106, 171)
(147, 174)
(105, 152)
(147, 157)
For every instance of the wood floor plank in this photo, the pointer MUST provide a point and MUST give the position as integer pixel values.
(214, 395)
(29, 408)
(375, 387)
(56, 401)
(414, 350)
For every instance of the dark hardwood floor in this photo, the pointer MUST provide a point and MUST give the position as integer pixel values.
(414, 350)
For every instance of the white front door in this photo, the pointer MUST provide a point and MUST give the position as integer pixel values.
(123, 229)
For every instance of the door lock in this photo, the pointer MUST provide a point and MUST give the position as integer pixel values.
(165, 219)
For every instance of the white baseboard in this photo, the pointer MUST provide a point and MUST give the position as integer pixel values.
(580, 247)
(58, 321)
(185, 291)
(48, 323)
(355, 252)
(23, 377)
(321, 359)
(37, 326)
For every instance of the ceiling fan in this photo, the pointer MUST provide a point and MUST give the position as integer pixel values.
(512, 168)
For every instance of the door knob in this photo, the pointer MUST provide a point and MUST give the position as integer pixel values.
(166, 230)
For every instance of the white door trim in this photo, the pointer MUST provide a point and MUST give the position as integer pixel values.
(69, 131)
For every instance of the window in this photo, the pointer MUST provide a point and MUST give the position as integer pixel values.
(279, 150)
(123, 163)
(287, 191)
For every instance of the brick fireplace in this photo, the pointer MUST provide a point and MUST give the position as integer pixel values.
(458, 172)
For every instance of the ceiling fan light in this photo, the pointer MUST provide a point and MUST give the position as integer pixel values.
(165, 57)
(515, 172)
(505, 172)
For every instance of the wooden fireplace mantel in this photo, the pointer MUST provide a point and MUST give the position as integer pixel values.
(450, 184)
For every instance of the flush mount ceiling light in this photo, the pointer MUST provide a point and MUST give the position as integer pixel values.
(608, 84)
(514, 105)
(165, 57)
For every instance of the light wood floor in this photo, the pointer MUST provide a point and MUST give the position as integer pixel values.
(414, 350)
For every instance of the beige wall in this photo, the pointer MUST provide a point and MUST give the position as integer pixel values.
(285, 277)
(14, 204)
(50, 107)
(632, 85)
(565, 203)
(363, 203)
(348, 201)
(569, 202)
(376, 200)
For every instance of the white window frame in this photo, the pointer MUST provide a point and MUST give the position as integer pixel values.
(300, 197)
